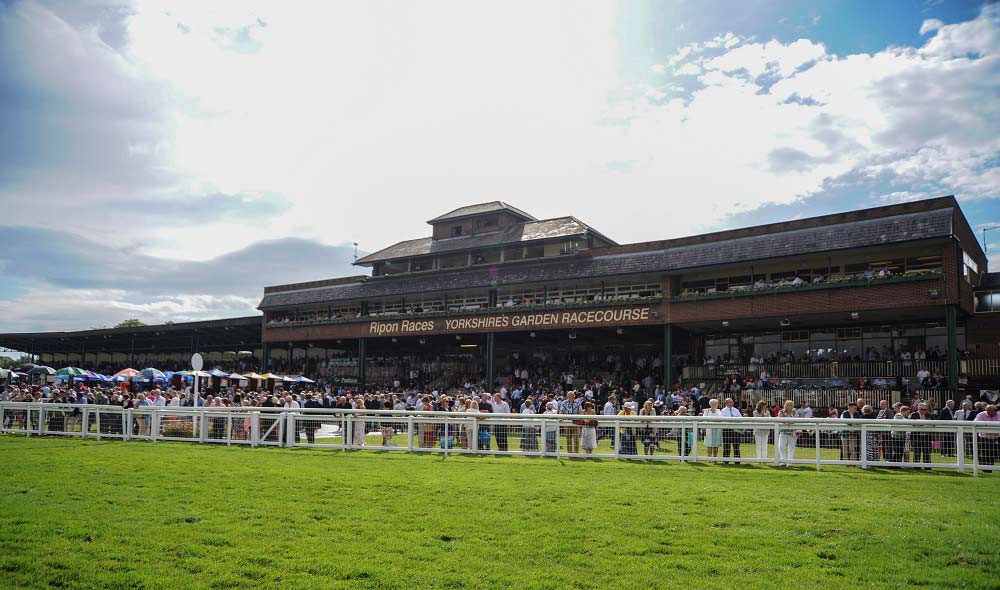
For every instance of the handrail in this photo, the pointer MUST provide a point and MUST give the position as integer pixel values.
(492, 416)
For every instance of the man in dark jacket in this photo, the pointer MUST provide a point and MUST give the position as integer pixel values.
(311, 422)
(850, 440)
(921, 441)
(947, 438)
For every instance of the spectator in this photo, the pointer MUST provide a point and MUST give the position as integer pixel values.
(761, 432)
(730, 436)
(571, 407)
(989, 441)
(786, 435)
(589, 428)
(713, 436)
(849, 438)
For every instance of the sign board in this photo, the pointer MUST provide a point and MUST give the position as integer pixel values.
(197, 362)
(561, 319)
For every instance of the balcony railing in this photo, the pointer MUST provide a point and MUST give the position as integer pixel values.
(470, 310)
(831, 370)
(750, 291)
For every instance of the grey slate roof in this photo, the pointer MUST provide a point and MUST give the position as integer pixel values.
(532, 230)
(481, 208)
(855, 234)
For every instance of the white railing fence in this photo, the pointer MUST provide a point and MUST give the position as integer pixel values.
(960, 445)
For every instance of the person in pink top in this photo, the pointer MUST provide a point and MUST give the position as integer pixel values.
(989, 442)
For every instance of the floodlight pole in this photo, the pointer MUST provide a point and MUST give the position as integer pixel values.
(986, 247)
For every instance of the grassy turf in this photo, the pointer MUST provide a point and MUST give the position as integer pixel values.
(88, 514)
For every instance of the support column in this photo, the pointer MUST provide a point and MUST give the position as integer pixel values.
(490, 361)
(265, 357)
(668, 357)
(952, 349)
(362, 362)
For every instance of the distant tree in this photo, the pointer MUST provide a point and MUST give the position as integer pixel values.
(7, 362)
(131, 323)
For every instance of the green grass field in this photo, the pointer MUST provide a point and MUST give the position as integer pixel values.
(88, 514)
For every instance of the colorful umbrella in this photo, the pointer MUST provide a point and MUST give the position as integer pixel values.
(303, 379)
(237, 377)
(71, 371)
(126, 374)
(218, 373)
(152, 373)
(271, 376)
(254, 376)
(42, 371)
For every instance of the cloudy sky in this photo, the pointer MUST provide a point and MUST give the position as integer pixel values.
(166, 160)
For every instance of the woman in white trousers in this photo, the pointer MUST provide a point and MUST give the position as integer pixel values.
(762, 431)
(786, 435)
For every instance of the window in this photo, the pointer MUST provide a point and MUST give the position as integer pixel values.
(456, 231)
(987, 301)
(487, 222)
(971, 268)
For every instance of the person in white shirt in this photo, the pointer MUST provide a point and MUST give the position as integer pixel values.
(730, 436)
(609, 406)
(500, 431)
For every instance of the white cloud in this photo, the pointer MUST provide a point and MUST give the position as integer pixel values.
(759, 58)
(369, 118)
(929, 25)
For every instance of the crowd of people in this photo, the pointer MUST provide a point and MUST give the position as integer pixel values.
(794, 280)
(582, 434)
(871, 354)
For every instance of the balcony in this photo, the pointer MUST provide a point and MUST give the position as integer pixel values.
(835, 283)
(825, 370)
(467, 311)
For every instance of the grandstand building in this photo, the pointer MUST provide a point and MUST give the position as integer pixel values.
(493, 291)
(493, 286)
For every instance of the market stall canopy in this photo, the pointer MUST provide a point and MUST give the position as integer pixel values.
(218, 373)
(271, 376)
(303, 379)
(287, 379)
(238, 377)
(254, 376)
(42, 370)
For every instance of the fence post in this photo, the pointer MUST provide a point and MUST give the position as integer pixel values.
(818, 458)
(618, 438)
(203, 427)
(975, 453)
(84, 422)
(864, 446)
(694, 442)
(558, 442)
(41, 420)
(254, 429)
(97, 420)
(128, 424)
(290, 429)
(444, 441)
(960, 449)
(777, 433)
